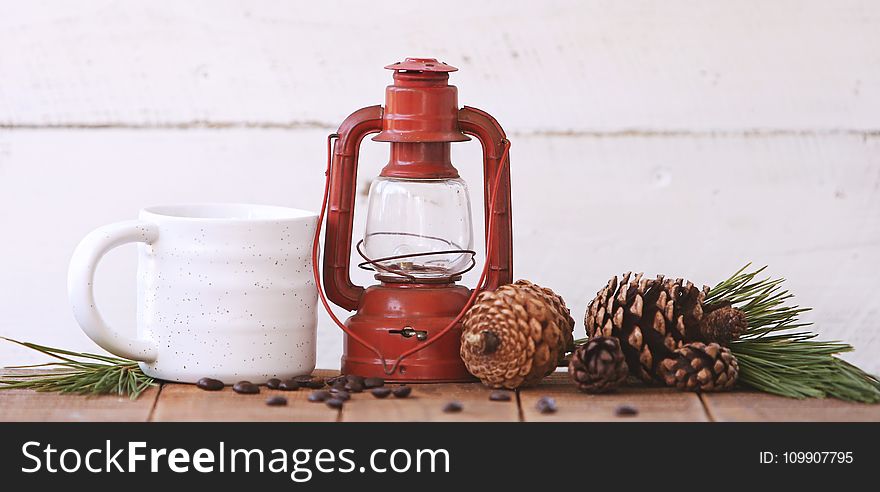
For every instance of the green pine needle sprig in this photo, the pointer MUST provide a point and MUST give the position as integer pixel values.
(776, 356)
(80, 373)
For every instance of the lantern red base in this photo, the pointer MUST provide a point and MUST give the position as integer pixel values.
(389, 310)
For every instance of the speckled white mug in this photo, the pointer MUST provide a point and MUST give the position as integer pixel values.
(224, 291)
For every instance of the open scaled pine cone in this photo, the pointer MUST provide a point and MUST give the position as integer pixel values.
(652, 318)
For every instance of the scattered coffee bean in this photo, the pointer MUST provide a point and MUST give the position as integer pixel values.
(354, 377)
(316, 383)
(374, 383)
(546, 405)
(453, 407)
(342, 395)
(499, 396)
(402, 391)
(320, 395)
(354, 386)
(289, 385)
(276, 401)
(335, 403)
(273, 383)
(246, 388)
(381, 392)
(209, 384)
(339, 384)
(305, 378)
(626, 411)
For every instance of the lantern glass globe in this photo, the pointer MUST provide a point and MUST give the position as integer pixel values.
(414, 216)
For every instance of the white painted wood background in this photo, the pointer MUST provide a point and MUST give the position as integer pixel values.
(678, 137)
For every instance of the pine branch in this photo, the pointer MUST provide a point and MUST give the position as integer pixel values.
(78, 374)
(774, 357)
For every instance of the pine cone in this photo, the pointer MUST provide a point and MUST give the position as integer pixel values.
(598, 366)
(723, 325)
(700, 367)
(510, 337)
(563, 314)
(651, 318)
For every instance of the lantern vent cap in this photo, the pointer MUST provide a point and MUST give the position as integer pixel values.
(421, 65)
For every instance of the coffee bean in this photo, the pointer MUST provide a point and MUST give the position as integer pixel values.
(273, 383)
(453, 407)
(354, 386)
(626, 411)
(354, 377)
(546, 404)
(316, 383)
(335, 403)
(402, 391)
(499, 396)
(318, 396)
(289, 385)
(381, 392)
(374, 382)
(305, 378)
(339, 384)
(276, 401)
(209, 384)
(246, 388)
(342, 395)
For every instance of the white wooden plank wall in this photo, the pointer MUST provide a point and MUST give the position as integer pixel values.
(678, 137)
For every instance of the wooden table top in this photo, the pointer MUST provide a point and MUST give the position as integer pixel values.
(181, 402)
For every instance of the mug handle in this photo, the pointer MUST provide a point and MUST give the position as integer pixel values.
(80, 290)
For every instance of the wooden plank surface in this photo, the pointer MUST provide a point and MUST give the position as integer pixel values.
(426, 403)
(652, 404)
(25, 405)
(18, 405)
(187, 403)
(741, 406)
(181, 402)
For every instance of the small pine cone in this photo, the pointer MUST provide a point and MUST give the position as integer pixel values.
(700, 367)
(599, 365)
(563, 314)
(723, 325)
(510, 337)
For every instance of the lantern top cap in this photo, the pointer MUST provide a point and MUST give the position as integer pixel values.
(421, 65)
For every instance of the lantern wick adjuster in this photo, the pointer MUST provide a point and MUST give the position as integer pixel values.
(409, 332)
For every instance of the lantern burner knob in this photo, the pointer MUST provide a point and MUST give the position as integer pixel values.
(421, 65)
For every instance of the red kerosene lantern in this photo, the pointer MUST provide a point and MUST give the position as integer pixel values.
(418, 237)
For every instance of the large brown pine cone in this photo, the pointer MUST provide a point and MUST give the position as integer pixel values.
(563, 314)
(511, 337)
(651, 318)
(700, 367)
(598, 366)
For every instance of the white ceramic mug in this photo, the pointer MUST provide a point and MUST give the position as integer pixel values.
(224, 291)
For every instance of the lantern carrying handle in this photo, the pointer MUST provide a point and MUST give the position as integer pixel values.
(341, 179)
(496, 192)
(499, 175)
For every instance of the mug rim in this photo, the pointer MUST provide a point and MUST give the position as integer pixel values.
(234, 212)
